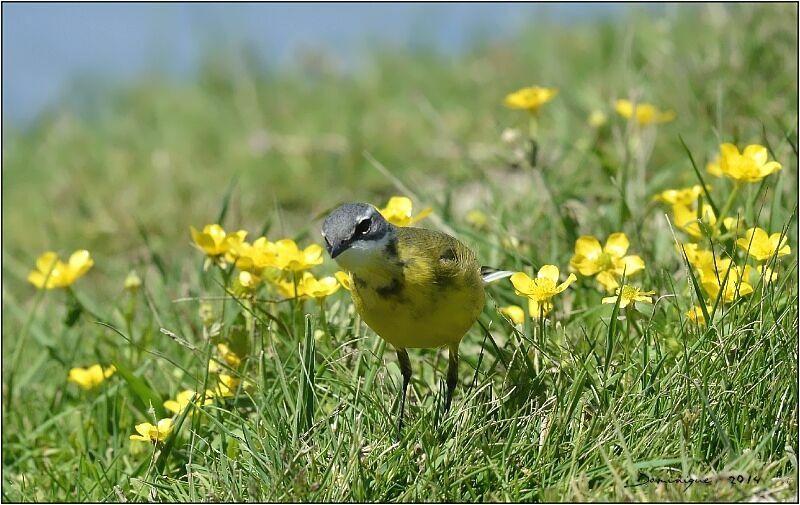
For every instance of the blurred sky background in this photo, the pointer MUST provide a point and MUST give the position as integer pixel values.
(50, 49)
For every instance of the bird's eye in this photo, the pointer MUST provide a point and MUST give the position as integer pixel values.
(362, 228)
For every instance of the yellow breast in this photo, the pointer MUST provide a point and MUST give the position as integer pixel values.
(429, 294)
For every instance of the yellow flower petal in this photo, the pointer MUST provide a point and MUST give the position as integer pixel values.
(144, 429)
(761, 246)
(514, 312)
(629, 294)
(537, 309)
(80, 261)
(205, 242)
(530, 98)
(90, 377)
(587, 253)
(344, 280)
(631, 265)
(728, 150)
(46, 261)
(51, 272)
(173, 406)
(523, 284)
(757, 153)
(164, 427)
(751, 165)
(617, 245)
(624, 108)
(548, 272)
(712, 167)
(643, 113)
(607, 280)
(588, 247)
(313, 254)
(695, 315)
(37, 279)
(398, 211)
(610, 299)
(422, 215)
(685, 196)
(564, 285)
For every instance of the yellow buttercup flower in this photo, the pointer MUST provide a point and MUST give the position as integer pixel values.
(541, 289)
(713, 168)
(766, 273)
(290, 258)
(286, 288)
(248, 281)
(398, 211)
(530, 98)
(225, 354)
(686, 219)
(762, 246)
(317, 288)
(736, 285)
(706, 263)
(252, 257)
(90, 377)
(684, 196)
(643, 113)
(514, 312)
(629, 294)
(229, 356)
(695, 314)
(150, 433)
(344, 279)
(214, 241)
(226, 385)
(183, 399)
(51, 272)
(751, 165)
(608, 263)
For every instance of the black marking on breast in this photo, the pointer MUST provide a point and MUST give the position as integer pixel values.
(359, 282)
(391, 249)
(391, 252)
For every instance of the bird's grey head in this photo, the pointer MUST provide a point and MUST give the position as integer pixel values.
(353, 231)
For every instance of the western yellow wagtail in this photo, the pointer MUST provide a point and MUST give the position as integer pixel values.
(414, 287)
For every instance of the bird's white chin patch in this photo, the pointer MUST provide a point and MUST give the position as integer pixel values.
(362, 254)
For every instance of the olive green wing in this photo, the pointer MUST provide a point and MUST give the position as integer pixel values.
(436, 255)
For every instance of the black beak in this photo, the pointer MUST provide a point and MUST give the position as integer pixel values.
(335, 249)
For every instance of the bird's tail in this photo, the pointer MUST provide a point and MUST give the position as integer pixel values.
(490, 274)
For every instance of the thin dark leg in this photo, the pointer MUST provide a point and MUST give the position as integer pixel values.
(405, 369)
(452, 375)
